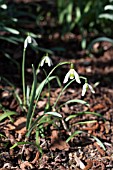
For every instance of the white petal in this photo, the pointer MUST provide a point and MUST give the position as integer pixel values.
(49, 62)
(47, 59)
(91, 88)
(25, 43)
(42, 62)
(77, 77)
(84, 89)
(29, 39)
(34, 42)
(67, 76)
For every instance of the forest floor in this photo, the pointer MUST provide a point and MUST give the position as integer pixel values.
(82, 151)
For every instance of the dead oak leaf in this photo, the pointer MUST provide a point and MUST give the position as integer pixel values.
(57, 142)
(97, 107)
(20, 125)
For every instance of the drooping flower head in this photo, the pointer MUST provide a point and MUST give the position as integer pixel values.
(29, 40)
(87, 86)
(46, 59)
(71, 74)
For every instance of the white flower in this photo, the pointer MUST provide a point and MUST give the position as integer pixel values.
(71, 75)
(29, 40)
(85, 88)
(47, 60)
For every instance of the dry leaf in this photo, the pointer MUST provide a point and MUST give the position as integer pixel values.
(20, 125)
(57, 142)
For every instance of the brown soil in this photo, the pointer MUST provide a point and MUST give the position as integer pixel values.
(82, 151)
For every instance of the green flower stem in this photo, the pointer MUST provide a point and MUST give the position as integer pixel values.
(62, 93)
(84, 78)
(58, 65)
(72, 66)
(23, 77)
(47, 108)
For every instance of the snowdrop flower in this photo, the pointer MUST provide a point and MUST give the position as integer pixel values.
(29, 40)
(71, 75)
(85, 88)
(47, 60)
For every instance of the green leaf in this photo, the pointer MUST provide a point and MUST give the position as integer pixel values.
(39, 89)
(64, 88)
(8, 39)
(100, 39)
(34, 124)
(32, 97)
(37, 48)
(61, 49)
(6, 114)
(44, 119)
(70, 117)
(99, 142)
(106, 16)
(81, 113)
(54, 114)
(21, 143)
(1, 135)
(108, 7)
(88, 6)
(75, 101)
(86, 122)
(75, 133)
(11, 30)
(43, 83)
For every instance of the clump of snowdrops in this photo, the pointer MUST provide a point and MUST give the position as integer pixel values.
(31, 95)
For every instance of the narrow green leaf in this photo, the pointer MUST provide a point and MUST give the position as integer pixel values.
(75, 133)
(99, 142)
(81, 113)
(54, 114)
(21, 143)
(33, 92)
(38, 141)
(87, 6)
(34, 124)
(37, 48)
(39, 90)
(64, 88)
(86, 122)
(100, 39)
(6, 114)
(75, 101)
(37, 137)
(43, 83)
(1, 135)
(70, 117)
(93, 113)
(11, 30)
(44, 120)
(8, 39)
(108, 7)
(106, 16)
(18, 99)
